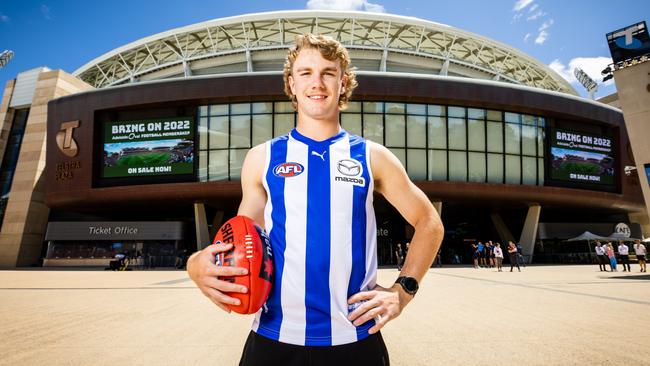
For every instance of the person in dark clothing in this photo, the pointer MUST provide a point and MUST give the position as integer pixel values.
(512, 252)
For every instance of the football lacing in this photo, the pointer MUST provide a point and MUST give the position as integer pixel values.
(248, 243)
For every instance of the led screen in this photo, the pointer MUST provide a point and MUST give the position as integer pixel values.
(148, 147)
(582, 158)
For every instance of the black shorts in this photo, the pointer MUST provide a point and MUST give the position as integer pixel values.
(263, 351)
(640, 257)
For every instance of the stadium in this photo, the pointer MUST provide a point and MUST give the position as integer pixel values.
(145, 143)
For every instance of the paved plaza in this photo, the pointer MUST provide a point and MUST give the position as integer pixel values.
(545, 315)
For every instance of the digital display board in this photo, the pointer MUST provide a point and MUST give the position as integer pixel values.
(580, 157)
(155, 147)
(629, 42)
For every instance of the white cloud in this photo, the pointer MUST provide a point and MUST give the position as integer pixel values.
(45, 10)
(543, 34)
(592, 66)
(546, 25)
(532, 8)
(538, 14)
(4, 18)
(526, 37)
(362, 5)
(521, 5)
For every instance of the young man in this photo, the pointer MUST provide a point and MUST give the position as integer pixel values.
(601, 254)
(624, 253)
(640, 251)
(325, 306)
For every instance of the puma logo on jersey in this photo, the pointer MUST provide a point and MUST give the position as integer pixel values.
(322, 156)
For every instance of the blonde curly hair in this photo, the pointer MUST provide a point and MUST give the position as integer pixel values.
(331, 50)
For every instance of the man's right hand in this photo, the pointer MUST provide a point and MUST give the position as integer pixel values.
(205, 273)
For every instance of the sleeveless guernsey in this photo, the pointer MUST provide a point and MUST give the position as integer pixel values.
(321, 222)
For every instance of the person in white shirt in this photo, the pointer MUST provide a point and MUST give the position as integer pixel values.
(624, 253)
(640, 251)
(498, 255)
(601, 254)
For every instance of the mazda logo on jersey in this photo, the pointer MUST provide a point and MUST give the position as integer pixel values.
(351, 171)
(351, 168)
(288, 170)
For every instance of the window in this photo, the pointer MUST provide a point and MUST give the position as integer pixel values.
(433, 142)
(416, 131)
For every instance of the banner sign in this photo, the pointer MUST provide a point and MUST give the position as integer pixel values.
(582, 157)
(148, 147)
(629, 42)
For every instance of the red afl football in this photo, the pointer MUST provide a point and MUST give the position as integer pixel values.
(251, 250)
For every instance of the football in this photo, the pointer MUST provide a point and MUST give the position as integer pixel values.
(251, 250)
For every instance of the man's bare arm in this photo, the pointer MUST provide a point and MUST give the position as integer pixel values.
(201, 265)
(391, 180)
(394, 184)
(253, 194)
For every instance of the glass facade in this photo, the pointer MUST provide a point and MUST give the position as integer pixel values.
(10, 158)
(433, 142)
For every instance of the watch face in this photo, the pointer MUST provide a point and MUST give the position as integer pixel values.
(410, 284)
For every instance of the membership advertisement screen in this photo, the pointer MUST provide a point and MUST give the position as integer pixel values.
(582, 158)
(148, 147)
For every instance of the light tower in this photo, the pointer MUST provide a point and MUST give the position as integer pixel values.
(5, 56)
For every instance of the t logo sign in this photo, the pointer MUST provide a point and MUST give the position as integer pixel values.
(64, 139)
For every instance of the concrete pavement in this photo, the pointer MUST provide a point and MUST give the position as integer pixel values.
(545, 315)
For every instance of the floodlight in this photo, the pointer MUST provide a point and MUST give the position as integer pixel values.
(5, 56)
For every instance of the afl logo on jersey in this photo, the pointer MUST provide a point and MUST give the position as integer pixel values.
(288, 170)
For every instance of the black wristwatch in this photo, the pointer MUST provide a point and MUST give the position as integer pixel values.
(409, 284)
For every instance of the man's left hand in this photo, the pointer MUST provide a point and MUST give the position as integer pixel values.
(382, 304)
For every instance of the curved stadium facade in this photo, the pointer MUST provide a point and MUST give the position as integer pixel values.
(500, 143)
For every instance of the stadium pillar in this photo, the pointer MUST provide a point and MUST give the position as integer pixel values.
(633, 86)
(529, 232)
(201, 225)
(438, 206)
(26, 215)
(502, 229)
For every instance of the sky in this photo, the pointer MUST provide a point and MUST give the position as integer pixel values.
(562, 34)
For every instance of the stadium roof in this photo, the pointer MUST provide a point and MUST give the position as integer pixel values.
(377, 42)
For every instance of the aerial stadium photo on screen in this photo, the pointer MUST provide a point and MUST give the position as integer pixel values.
(148, 147)
(579, 157)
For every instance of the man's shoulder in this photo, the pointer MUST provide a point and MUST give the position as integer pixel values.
(284, 137)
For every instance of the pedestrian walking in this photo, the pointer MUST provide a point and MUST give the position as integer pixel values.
(612, 257)
(640, 251)
(601, 255)
(520, 255)
(624, 253)
(481, 254)
(512, 253)
(399, 256)
(489, 253)
(475, 255)
(498, 255)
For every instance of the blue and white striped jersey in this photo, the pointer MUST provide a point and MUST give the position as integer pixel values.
(321, 222)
